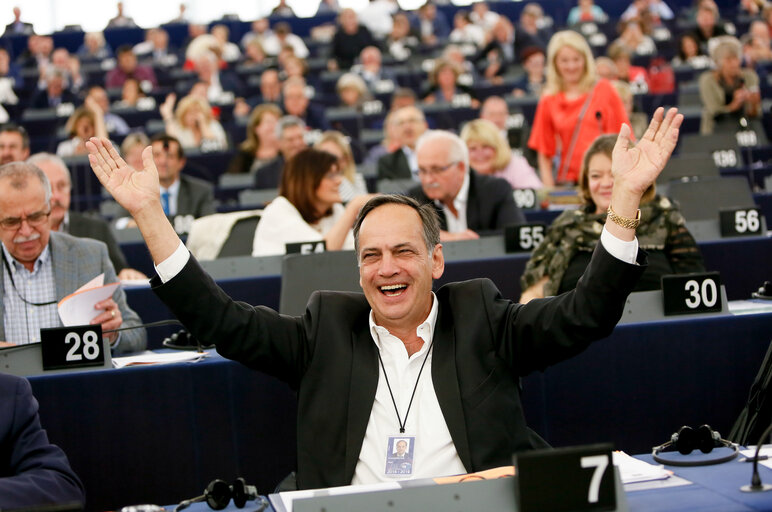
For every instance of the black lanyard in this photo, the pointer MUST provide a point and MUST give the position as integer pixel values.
(13, 284)
(399, 419)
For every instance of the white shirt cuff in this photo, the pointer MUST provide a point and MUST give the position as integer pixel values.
(172, 265)
(620, 249)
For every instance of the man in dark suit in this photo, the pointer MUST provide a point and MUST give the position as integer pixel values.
(343, 351)
(184, 198)
(75, 223)
(18, 27)
(467, 202)
(294, 102)
(290, 131)
(33, 472)
(402, 163)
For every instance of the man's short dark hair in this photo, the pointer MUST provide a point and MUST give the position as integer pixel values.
(165, 138)
(124, 48)
(16, 128)
(429, 220)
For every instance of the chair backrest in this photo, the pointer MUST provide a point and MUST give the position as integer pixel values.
(239, 242)
(688, 165)
(257, 198)
(400, 186)
(703, 198)
(302, 274)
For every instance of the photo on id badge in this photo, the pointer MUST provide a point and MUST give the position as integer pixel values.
(399, 455)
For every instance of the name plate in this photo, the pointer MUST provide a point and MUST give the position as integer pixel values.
(306, 247)
(72, 347)
(525, 198)
(747, 139)
(686, 294)
(523, 237)
(740, 221)
(725, 158)
(578, 478)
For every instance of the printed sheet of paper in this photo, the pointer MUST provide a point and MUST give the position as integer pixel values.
(78, 307)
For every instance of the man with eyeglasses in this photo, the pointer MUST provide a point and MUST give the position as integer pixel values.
(40, 267)
(402, 163)
(468, 203)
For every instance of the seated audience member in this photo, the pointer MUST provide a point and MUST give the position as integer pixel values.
(192, 123)
(729, 92)
(94, 47)
(259, 30)
(120, 19)
(14, 143)
(559, 261)
(68, 67)
(403, 40)
(657, 9)
(370, 69)
(261, 145)
(352, 91)
(489, 154)
(757, 47)
(35, 473)
(586, 11)
(155, 48)
(689, 53)
(353, 183)
(127, 67)
(132, 147)
(282, 9)
(131, 93)
(282, 36)
(482, 15)
(402, 163)
(183, 197)
(10, 78)
(270, 87)
(498, 54)
(606, 68)
(290, 131)
(535, 77)
(229, 52)
(465, 33)
(432, 25)
(308, 207)
(528, 33)
(254, 54)
(77, 224)
(221, 86)
(38, 52)
(47, 266)
(389, 144)
(636, 76)
(296, 103)
(453, 53)
(18, 27)
(634, 39)
(114, 124)
(55, 93)
(349, 40)
(86, 122)
(468, 203)
(444, 86)
(708, 25)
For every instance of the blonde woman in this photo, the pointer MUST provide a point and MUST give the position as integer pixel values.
(85, 122)
(261, 145)
(192, 123)
(352, 90)
(490, 154)
(575, 107)
(353, 183)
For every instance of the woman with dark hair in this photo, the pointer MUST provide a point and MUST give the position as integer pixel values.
(560, 260)
(308, 207)
(261, 146)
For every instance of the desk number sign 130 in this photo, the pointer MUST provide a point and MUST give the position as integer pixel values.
(72, 347)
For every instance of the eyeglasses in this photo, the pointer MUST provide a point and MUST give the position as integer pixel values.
(435, 170)
(333, 174)
(33, 219)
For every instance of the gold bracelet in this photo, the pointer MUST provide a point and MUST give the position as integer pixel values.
(624, 221)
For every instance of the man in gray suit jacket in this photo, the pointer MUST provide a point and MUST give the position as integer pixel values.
(41, 267)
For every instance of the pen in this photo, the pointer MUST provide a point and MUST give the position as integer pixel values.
(750, 459)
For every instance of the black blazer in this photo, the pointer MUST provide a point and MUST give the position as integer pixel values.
(490, 205)
(84, 226)
(394, 166)
(329, 356)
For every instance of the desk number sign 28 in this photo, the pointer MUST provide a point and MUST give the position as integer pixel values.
(72, 347)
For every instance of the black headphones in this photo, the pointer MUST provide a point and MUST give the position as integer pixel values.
(688, 439)
(218, 495)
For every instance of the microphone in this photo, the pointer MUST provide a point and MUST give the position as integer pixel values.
(599, 118)
(756, 485)
(168, 342)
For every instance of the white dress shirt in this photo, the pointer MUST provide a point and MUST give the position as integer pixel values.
(457, 224)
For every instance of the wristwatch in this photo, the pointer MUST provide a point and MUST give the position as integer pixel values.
(624, 221)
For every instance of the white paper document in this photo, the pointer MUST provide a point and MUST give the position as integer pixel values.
(284, 503)
(78, 307)
(149, 357)
(766, 451)
(633, 470)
